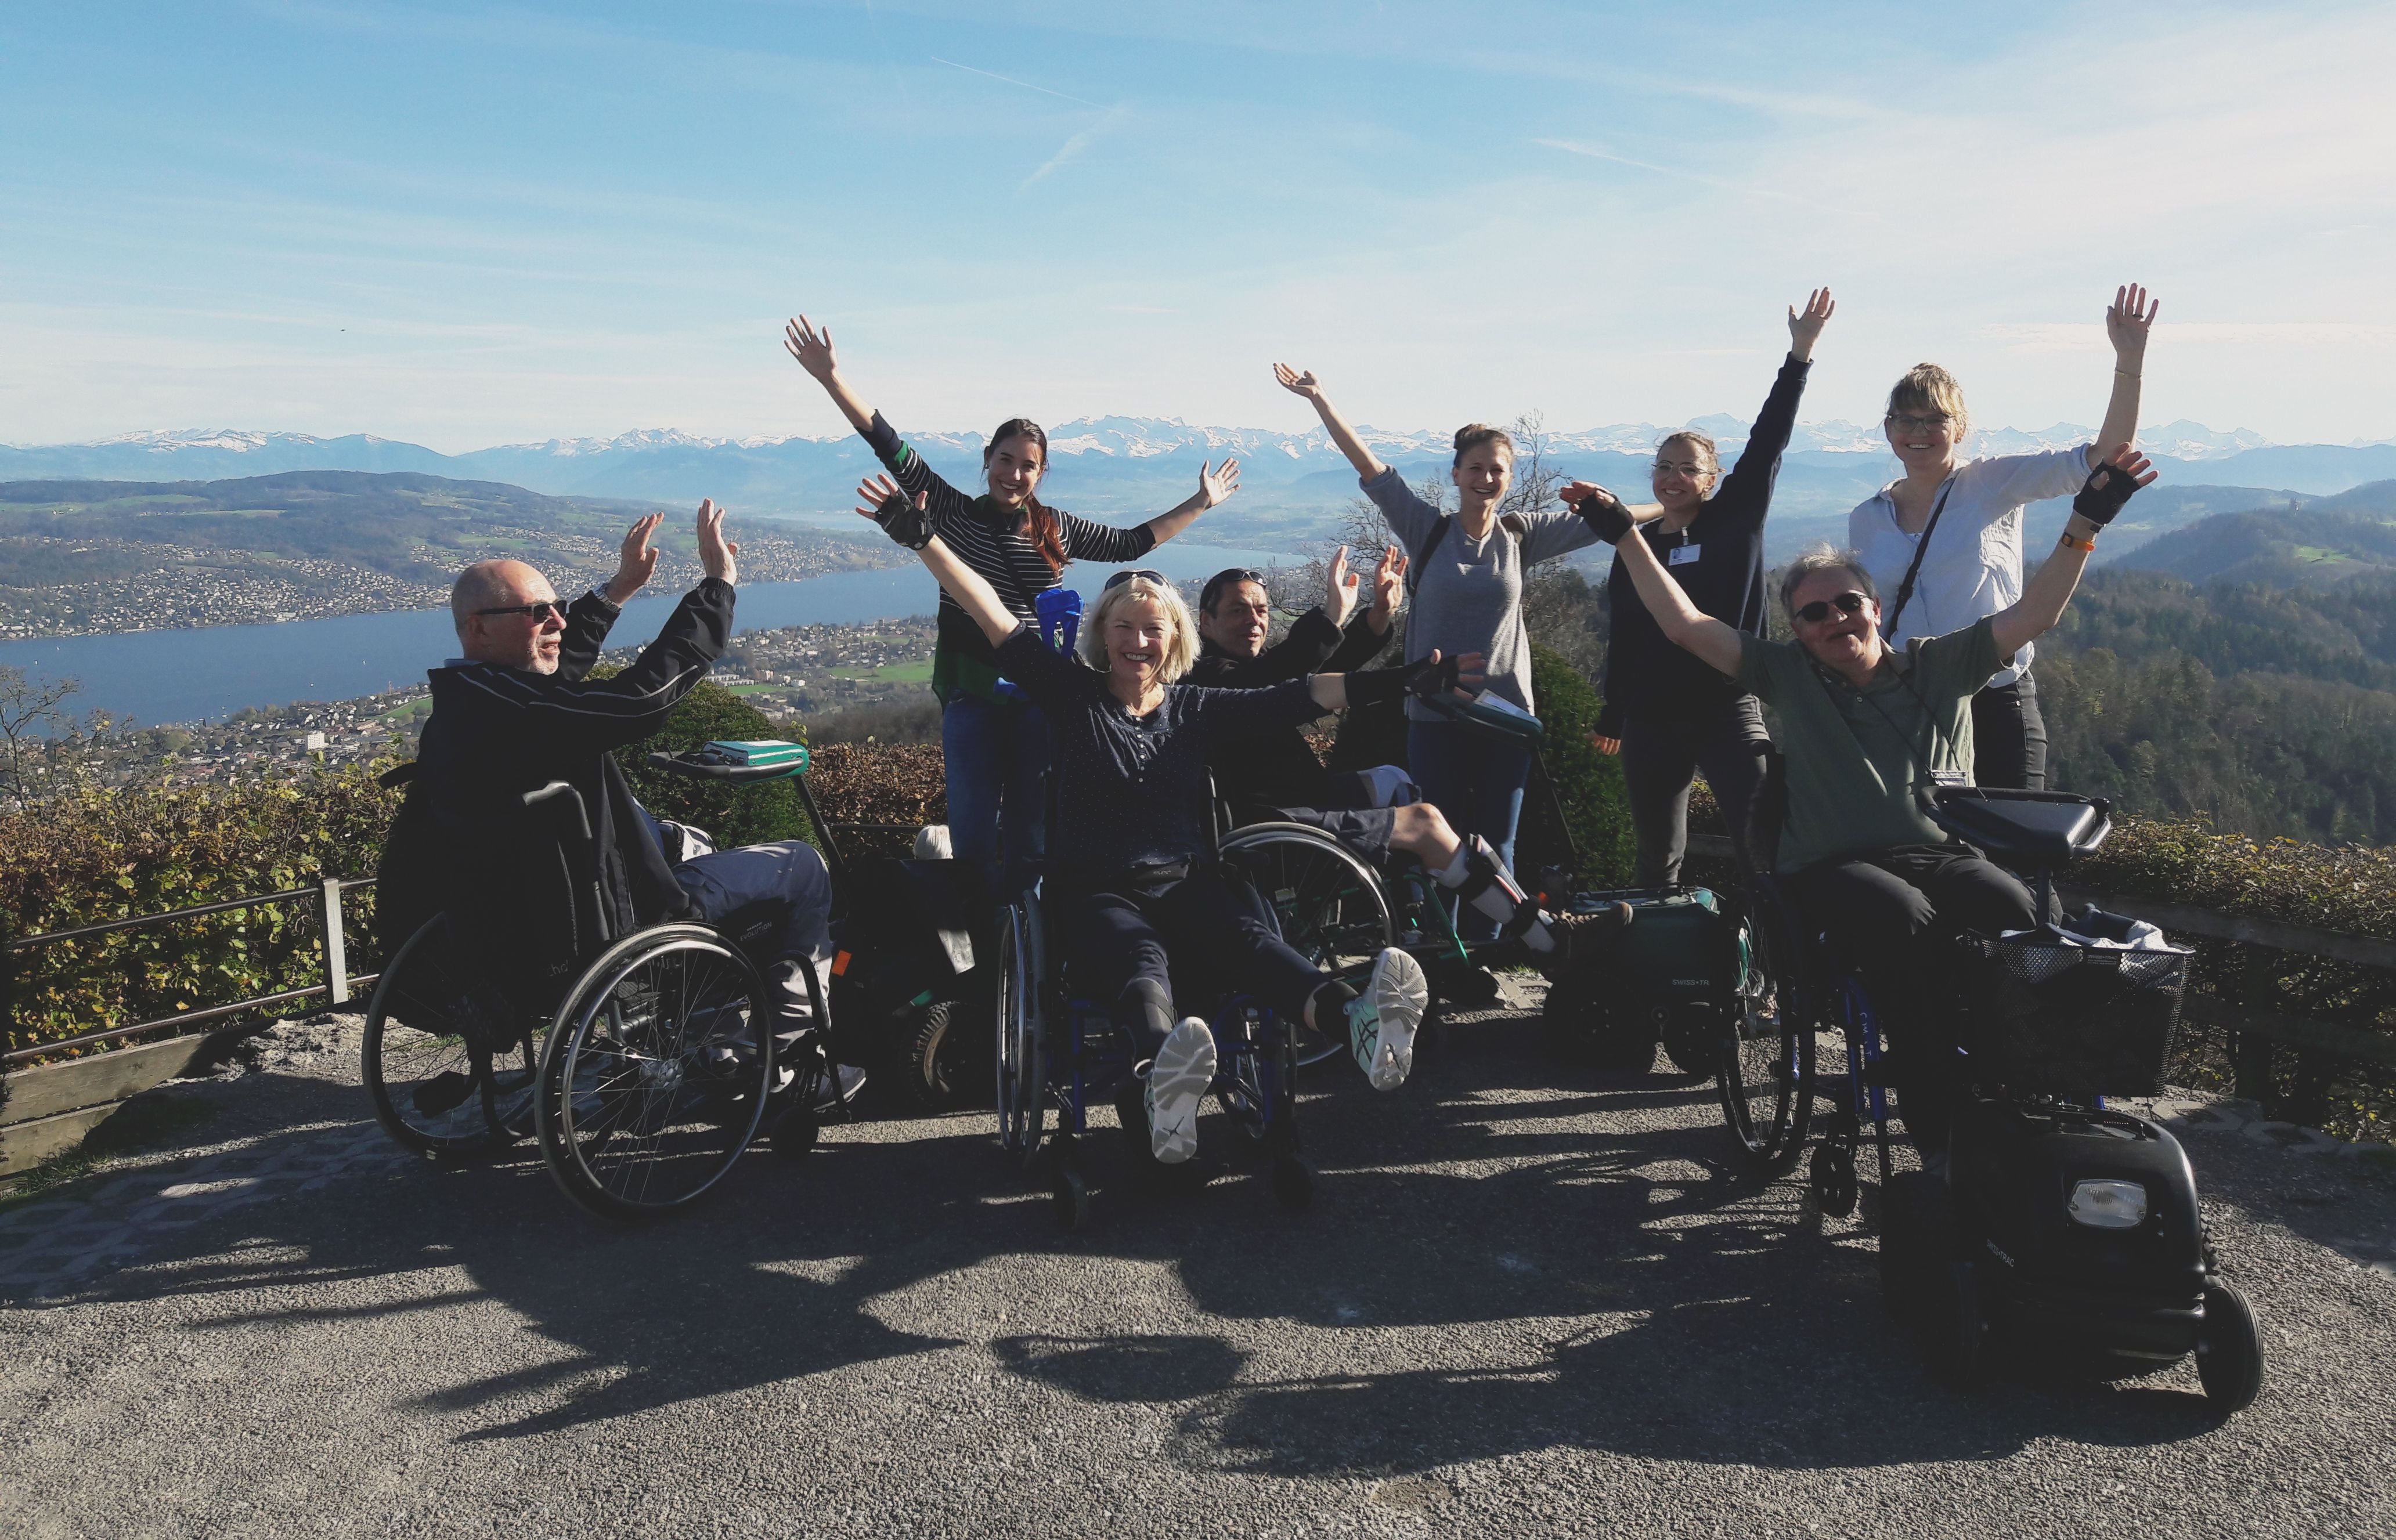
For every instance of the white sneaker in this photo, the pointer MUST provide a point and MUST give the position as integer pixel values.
(1178, 1083)
(1381, 1021)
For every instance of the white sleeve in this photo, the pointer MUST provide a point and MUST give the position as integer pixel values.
(2006, 482)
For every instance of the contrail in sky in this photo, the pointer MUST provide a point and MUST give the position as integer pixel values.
(1009, 79)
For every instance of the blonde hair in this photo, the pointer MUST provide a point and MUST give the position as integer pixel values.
(1181, 632)
(1926, 388)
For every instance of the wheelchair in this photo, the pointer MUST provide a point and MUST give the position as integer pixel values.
(2056, 1223)
(646, 1081)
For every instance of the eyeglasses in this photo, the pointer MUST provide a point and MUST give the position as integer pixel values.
(539, 612)
(1907, 423)
(1686, 468)
(1819, 610)
(1146, 575)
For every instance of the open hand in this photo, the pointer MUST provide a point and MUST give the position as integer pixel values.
(1472, 674)
(2127, 321)
(637, 561)
(1389, 584)
(715, 552)
(1301, 384)
(811, 348)
(1213, 485)
(1339, 588)
(1805, 326)
(909, 523)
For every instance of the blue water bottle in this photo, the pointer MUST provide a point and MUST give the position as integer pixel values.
(1059, 610)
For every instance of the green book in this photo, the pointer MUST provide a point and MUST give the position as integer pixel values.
(758, 752)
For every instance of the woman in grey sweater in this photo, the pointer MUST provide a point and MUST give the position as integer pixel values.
(1467, 599)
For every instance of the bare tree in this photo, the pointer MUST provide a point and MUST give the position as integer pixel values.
(29, 709)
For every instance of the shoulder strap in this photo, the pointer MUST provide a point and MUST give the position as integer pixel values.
(1921, 549)
(1431, 543)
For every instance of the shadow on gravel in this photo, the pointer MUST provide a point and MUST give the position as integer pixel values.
(1662, 1308)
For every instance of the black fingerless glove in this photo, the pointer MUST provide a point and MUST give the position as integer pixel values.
(1426, 680)
(2107, 490)
(903, 521)
(1606, 515)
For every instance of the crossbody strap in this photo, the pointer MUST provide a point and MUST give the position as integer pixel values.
(1422, 557)
(1921, 549)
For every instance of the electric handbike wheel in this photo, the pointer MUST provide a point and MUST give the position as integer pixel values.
(1022, 1076)
(1766, 1073)
(657, 1073)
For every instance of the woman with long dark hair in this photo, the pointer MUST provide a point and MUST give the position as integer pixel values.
(993, 741)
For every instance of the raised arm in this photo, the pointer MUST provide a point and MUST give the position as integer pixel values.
(2050, 589)
(1430, 678)
(1368, 465)
(1213, 485)
(813, 348)
(2127, 321)
(908, 521)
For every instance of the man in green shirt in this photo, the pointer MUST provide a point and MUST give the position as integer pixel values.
(1866, 732)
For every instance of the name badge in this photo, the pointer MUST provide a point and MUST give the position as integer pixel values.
(1683, 555)
(1950, 777)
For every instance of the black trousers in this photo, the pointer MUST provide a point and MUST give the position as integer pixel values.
(1660, 759)
(1120, 933)
(1891, 913)
(2009, 737)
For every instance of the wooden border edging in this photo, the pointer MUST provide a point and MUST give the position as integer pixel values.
(2348, 1041)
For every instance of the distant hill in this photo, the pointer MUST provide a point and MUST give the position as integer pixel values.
(2311, 543)
(86, 555)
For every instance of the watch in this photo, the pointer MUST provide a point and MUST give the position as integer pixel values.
(2077, 545)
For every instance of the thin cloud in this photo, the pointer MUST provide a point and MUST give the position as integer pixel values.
(1009, 79)
(1072, 148)
(1599, 151)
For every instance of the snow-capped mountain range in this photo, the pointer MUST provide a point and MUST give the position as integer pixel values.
(1121, 463)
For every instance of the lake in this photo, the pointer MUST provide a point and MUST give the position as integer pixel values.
(201, 675)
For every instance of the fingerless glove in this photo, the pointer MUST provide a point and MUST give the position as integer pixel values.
(1604, 514)
(2107, 490)
(1427, 680)
(903, 521)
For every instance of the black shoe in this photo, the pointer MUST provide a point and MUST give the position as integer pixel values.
(1579, 936)
(839, 1089)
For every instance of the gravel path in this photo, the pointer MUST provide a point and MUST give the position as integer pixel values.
(1530, 1299)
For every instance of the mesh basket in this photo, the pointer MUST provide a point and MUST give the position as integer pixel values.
(2074, 1021)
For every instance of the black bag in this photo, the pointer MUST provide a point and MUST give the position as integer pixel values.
(1671, 977)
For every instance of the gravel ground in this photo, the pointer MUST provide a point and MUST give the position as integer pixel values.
(1530, 1299)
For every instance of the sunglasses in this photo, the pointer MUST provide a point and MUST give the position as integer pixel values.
(1146, 575)
(539, 612)
(1221, 580)
(1819, 610)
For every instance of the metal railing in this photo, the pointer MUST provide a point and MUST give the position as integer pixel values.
(338, 988)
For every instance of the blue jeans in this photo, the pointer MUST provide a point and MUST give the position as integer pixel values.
(1475, 778)
(995, 756)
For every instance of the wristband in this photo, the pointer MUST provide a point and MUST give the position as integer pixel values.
(2077, 545)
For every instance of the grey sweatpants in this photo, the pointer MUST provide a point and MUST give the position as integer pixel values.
(788, 874)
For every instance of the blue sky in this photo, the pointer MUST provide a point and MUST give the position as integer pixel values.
(471, 224)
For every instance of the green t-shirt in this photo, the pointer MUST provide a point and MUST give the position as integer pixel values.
(1857, 757)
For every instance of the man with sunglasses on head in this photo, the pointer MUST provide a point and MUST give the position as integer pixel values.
(517, 711)
(1867, 731)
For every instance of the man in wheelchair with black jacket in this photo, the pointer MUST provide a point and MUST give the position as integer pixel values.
(519, 710)
(1867, 733)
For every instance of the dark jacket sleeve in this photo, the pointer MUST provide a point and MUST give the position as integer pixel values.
(588, 620)
(1358, 644)
(597, 715)
(1746, 493)
(1229, 712)
(1089, 541)
(941, 500)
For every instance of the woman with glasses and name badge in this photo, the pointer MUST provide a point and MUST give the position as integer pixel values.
(992, 738)
(1945, 539)
(1667, 713)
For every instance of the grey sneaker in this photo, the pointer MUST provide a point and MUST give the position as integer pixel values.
(1178, 1083)
(1381, 1021)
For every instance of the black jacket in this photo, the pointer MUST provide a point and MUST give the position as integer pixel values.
(1260, 771)
(1648, 679)
(464, 840)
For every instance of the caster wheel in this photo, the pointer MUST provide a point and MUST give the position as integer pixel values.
(1069, 1195)
(1293, 1184)
(938, 1075)
(794, 1133)
(1832, 1178)
(2230, 1351)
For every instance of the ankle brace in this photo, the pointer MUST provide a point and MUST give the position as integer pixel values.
(1480, 878)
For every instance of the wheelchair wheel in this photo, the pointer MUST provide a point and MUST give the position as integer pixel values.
(657, 1073)
(1327, 901)
(1022, 1075)
(1766, 1070)
(448, 1062)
